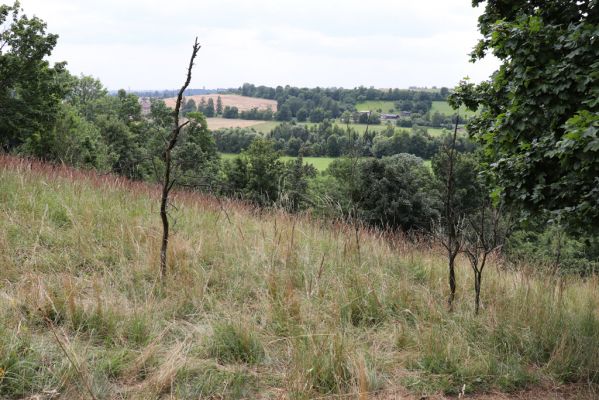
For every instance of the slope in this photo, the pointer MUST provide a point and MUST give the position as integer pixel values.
(258, 304)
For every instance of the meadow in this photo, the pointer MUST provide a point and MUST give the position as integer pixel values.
(443, 107)
(261, 304)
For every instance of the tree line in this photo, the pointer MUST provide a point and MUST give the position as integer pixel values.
(331, 140)
(317, 104)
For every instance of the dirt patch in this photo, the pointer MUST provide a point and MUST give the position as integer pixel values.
(243, 103)
(565, 392)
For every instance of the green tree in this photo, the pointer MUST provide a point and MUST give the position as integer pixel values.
(84, 94)
(296, 183)
(317, 115)
(202, 106)
(437, 119)
(128, 107)
(396, 192)
(284, 113)
(231, 112)
(302, 115)
(333, 147)
(189, 107)
(219, 106)
(124, 150)
(30, 89)
(539, 119)
(209, 112)
(196, 158)
(77, 141)
(264, 171)
(236, 176)
(346, 117)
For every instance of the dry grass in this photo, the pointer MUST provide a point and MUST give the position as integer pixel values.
(267, 305)
(219, 123)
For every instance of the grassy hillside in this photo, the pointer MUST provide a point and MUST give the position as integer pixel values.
(258, 305)
(443, 107)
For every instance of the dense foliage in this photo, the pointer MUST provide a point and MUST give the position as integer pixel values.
(332, 140)
(30, 89)
(540, 112)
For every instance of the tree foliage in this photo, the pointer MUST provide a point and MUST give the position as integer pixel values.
(396, 192)
(539, 123)
(30, 89)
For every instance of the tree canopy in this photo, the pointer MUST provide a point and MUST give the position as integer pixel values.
(30, 89)
(539, 113)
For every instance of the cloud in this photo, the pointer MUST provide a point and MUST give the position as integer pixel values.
(141, 44)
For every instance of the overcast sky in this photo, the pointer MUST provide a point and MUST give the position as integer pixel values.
(145, 44)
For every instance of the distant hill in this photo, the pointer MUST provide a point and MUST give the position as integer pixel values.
(164, 93)
(243, 103)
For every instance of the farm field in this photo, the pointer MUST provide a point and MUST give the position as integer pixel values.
(443, 107)
(261, 305)
(243, 103)
(219, 123)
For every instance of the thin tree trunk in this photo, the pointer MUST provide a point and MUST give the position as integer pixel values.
(452, 281)
(163, 214)
(478, 276)
(167, 182)
(452, 240)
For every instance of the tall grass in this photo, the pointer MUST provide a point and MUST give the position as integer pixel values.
(257, 304)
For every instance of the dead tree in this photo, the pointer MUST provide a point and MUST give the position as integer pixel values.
(168, 182)
(484, 233)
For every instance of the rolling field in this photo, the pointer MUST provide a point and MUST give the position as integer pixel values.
(443, 107)
(259, 126)
(262, 305)
(219, 123)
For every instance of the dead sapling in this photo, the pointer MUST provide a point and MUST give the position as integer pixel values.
(167, 181)
(484, 233)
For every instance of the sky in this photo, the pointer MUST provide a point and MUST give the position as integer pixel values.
(146, 44)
